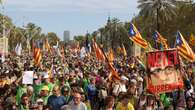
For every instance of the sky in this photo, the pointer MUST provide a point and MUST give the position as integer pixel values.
(77, 16)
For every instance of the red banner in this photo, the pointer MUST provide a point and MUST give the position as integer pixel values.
(163, 71)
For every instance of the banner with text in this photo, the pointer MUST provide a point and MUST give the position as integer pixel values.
(163, 71)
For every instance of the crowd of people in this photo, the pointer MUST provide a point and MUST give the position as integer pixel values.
(74, 83)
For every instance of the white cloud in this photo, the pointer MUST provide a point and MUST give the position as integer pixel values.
(97, 6)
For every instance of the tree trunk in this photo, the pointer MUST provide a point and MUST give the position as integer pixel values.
(157, 20)
(101, 38)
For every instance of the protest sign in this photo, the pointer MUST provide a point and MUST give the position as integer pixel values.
(163, 71)
(27, 77)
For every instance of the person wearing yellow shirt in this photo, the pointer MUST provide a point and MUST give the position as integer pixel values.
(124, 104)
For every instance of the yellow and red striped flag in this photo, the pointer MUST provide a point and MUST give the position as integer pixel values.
(37, 56)
(110, 55)
(98, 52)
(136, 37)
(158, 38)
(124, 50)
(183, 48)
(101, 56)
(113, 73)
(47, 46)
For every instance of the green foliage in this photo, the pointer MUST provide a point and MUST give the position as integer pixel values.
(182, 21)
(24, 34)
(52, 38)
(157, 10)
(113, 34)
(79, 38)
(168, 16)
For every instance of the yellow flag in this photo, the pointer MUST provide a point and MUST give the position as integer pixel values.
(192, 40)
(124, 50)
(110, 55)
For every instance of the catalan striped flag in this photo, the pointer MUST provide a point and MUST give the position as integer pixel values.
(37, 55)
(98, 52)
(51, 71)
(183, 48)
(136, 37)
(110, 55)
(124, 50)
(62, 53)
(158, 38)
(47, 46)
(113, 74)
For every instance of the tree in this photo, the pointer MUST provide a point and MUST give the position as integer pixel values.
(160, 10)
(112, 35)
(6, 24)
(81, 39)
(52, 38)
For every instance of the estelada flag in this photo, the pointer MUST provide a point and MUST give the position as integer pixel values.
(98, 52)
(136, 37)
(158, 38)
(184, 49)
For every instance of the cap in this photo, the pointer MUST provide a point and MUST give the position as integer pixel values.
(124, 78)
(46, 76)
(65, 89)
(140, 79)
(30, 88)
(45, 88)
(134, 75)
(39, 101)
(35, 76)
(133, 81)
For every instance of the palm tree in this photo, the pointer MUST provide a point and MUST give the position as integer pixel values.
(52, 38)
(113, 34)
(160, 10)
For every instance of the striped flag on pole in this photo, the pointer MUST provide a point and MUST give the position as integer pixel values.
(124, 50)
(158, 38)
(136, 37)
(183, 48)
(98, 51)
(37, 55)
